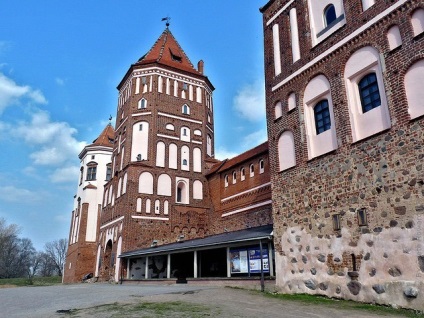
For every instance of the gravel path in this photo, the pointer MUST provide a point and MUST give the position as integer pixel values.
(223, 302)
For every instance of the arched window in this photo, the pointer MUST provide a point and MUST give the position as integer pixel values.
(252, 170)
(148, 205)
(226, 180)
(185, 134)
(145, 184)
(182, 192)
(197, 160)
(394, 37)
(142, 103)
(160, 154)
(184, 162)
(185, 158)
(329, 14)
(186, 109)
(197, 190)
(322, 116)
(124, 183)
(157, 207)
(165, 207)
(234, 177)
(414, 92)
(242, 174)
(261, 166)
(367, 103)
(209, 145)
(369, 93)
(118, 193)
(417, 21)
(278, 110)
(320, 132)
(138, 206)
(164, 185)
(170, 127)
(286, 151)
(173, 155)
(291, 101)
(91, 171)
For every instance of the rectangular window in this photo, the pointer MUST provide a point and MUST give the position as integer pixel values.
(140, 127)
(336, 222)
(91, 173)
(108, 173)
(362, 217)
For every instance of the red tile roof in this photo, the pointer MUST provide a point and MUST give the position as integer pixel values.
(106, 137)
(229, 163)
(167, 51)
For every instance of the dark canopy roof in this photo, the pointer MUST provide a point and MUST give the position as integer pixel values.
(220, 240)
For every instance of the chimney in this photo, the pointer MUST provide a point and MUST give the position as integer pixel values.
(200, 65)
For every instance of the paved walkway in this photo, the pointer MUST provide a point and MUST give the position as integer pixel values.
(46, 301)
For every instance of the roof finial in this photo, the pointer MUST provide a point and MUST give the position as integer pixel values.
(167, 18)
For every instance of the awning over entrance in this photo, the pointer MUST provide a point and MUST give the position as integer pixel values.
(221, 240)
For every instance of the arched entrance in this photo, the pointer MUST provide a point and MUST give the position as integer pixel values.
(108, 265)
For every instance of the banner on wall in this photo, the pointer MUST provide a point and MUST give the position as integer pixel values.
(248, 260)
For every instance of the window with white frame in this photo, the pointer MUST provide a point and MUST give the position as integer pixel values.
(261, 166)
(368, 110)
(186, 109)
(91, 171)
(226, 180)
(234, 177)
(142, 103)
(252, 170)
(318, 107)
(242, 174)
(326, 16)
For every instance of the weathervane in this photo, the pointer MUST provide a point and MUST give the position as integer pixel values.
(167, 20)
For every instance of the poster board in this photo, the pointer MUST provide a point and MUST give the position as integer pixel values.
(248, 260)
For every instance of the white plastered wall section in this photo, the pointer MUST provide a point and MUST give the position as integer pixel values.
(318, 144)
(414, 80)
(316, 9)
(140, 140)
(363, 62)
(93, 197)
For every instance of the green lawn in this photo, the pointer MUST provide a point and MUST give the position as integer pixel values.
(36, 281)
(346, 304)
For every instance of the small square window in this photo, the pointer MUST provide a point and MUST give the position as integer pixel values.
(362, 217)
(93, 156)
(336, 222)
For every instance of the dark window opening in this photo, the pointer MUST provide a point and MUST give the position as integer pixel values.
(369, 93)
(322, 116)
(329, 14)
(336, 222)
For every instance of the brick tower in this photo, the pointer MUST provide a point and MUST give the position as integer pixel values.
(163, 142)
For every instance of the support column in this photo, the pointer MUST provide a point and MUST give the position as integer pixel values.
(128, 268)
(146, 273)
(168, 267)
(195, 264)
(228, 262)
(270, 259)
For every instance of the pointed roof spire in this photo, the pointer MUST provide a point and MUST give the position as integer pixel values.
(105, 138)
(167, 51)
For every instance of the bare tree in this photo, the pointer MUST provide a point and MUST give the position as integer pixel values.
(46, 265)
(56, 250)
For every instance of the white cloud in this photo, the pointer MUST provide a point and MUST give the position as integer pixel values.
(54, 141)
(13, 194)
(250, 101)
(11, 93)
(254, 139)
(223, 153)
(59, 81)
(65, 174)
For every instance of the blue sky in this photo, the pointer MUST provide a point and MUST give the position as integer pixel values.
(60, 63)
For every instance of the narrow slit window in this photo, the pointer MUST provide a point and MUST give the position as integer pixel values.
(336, 222)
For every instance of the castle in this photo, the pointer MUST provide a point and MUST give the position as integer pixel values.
(334, 202)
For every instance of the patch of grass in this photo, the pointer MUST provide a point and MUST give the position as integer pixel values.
(345, 304)
(36, 281)
(148, 309)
